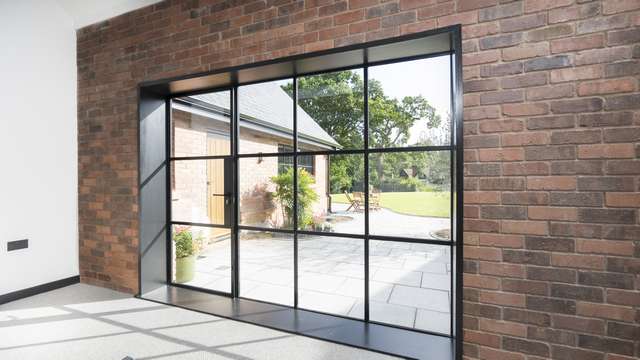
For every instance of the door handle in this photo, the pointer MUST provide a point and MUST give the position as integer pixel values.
(227, 196)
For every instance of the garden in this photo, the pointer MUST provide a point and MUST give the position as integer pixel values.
(406, 182)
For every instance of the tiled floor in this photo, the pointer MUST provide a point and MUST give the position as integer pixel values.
(83, 322)
(409, 282)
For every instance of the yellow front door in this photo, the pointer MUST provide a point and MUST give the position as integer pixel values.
(217, 144)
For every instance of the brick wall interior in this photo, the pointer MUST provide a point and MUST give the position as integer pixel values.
(552, 133)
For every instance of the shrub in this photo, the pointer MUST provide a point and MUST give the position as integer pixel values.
(306, 196)
(412, 183)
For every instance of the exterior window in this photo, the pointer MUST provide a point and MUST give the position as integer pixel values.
(370, 230)
(306, 162)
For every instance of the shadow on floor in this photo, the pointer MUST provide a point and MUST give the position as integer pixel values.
(86, 322)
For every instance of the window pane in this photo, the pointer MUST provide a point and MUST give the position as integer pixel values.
(409, 103)
(331, 275)
(332, 198)
(265, 192)
(202, 257)
(266, 266)
(410, 285)
(198, 191)
(266, 116)
(201, 124)
(331, 111)
(284, 162)
(306, 162)
(410, 194)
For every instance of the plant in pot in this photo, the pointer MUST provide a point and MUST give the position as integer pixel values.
(186, 250)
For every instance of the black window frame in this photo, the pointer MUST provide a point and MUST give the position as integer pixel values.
(155, 89)
(297, 153)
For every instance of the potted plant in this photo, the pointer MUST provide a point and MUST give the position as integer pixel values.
(186, 250)
(320, 223)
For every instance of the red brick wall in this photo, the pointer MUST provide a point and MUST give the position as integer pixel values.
(552, 128)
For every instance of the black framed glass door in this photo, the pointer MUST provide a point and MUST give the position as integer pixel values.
(343, 192)
(330, 191)
(340, 203)
(201, 191)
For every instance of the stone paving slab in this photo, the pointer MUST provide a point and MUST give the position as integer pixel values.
(420, 298)
(434, 321)
(409, 282)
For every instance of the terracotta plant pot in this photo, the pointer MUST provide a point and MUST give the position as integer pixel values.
(185, 269)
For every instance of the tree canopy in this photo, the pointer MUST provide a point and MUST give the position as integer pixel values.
(336, 102)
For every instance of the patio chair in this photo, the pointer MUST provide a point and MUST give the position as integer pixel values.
(355, 203)
(374, 199)
(358, 196)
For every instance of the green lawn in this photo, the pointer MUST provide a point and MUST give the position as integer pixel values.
(413, 203)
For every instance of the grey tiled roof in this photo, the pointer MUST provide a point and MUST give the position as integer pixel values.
(268, 105)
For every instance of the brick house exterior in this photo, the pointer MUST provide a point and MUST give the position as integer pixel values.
(191, 198)
(552, 139)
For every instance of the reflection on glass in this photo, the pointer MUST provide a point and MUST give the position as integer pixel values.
(266, 192)
(410, 285)
(409, 103)
(201, 124)
(197, 191)
(331, 111)
(266, 266)
(202, 257)
(266, 117)
(410, 194)
(331, 271)
(331, 196)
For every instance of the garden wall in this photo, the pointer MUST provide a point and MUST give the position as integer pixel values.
(552, 133)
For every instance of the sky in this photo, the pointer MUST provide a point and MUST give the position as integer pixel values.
(427, 77)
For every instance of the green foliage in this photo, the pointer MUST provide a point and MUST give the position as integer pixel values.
(390, 119)
(306, 196)
(388, 168)
(339, 177)
(437, 169)
(412, 203)
(185, 244)
(344, 172)
(413, 183)
(336, 102)
(433, 170)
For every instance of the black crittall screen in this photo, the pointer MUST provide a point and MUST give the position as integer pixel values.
(331, 184)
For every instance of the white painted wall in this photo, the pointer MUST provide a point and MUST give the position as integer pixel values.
(38, 143)
(87, 12)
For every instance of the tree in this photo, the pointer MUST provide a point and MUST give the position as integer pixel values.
(336, 102)
(306, 196)
(391, 120)
(341, 174)
(436, 166)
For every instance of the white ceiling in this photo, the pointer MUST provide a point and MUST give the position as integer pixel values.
(87, 12)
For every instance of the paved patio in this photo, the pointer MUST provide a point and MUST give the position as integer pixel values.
(409, 283)
(387, 222)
